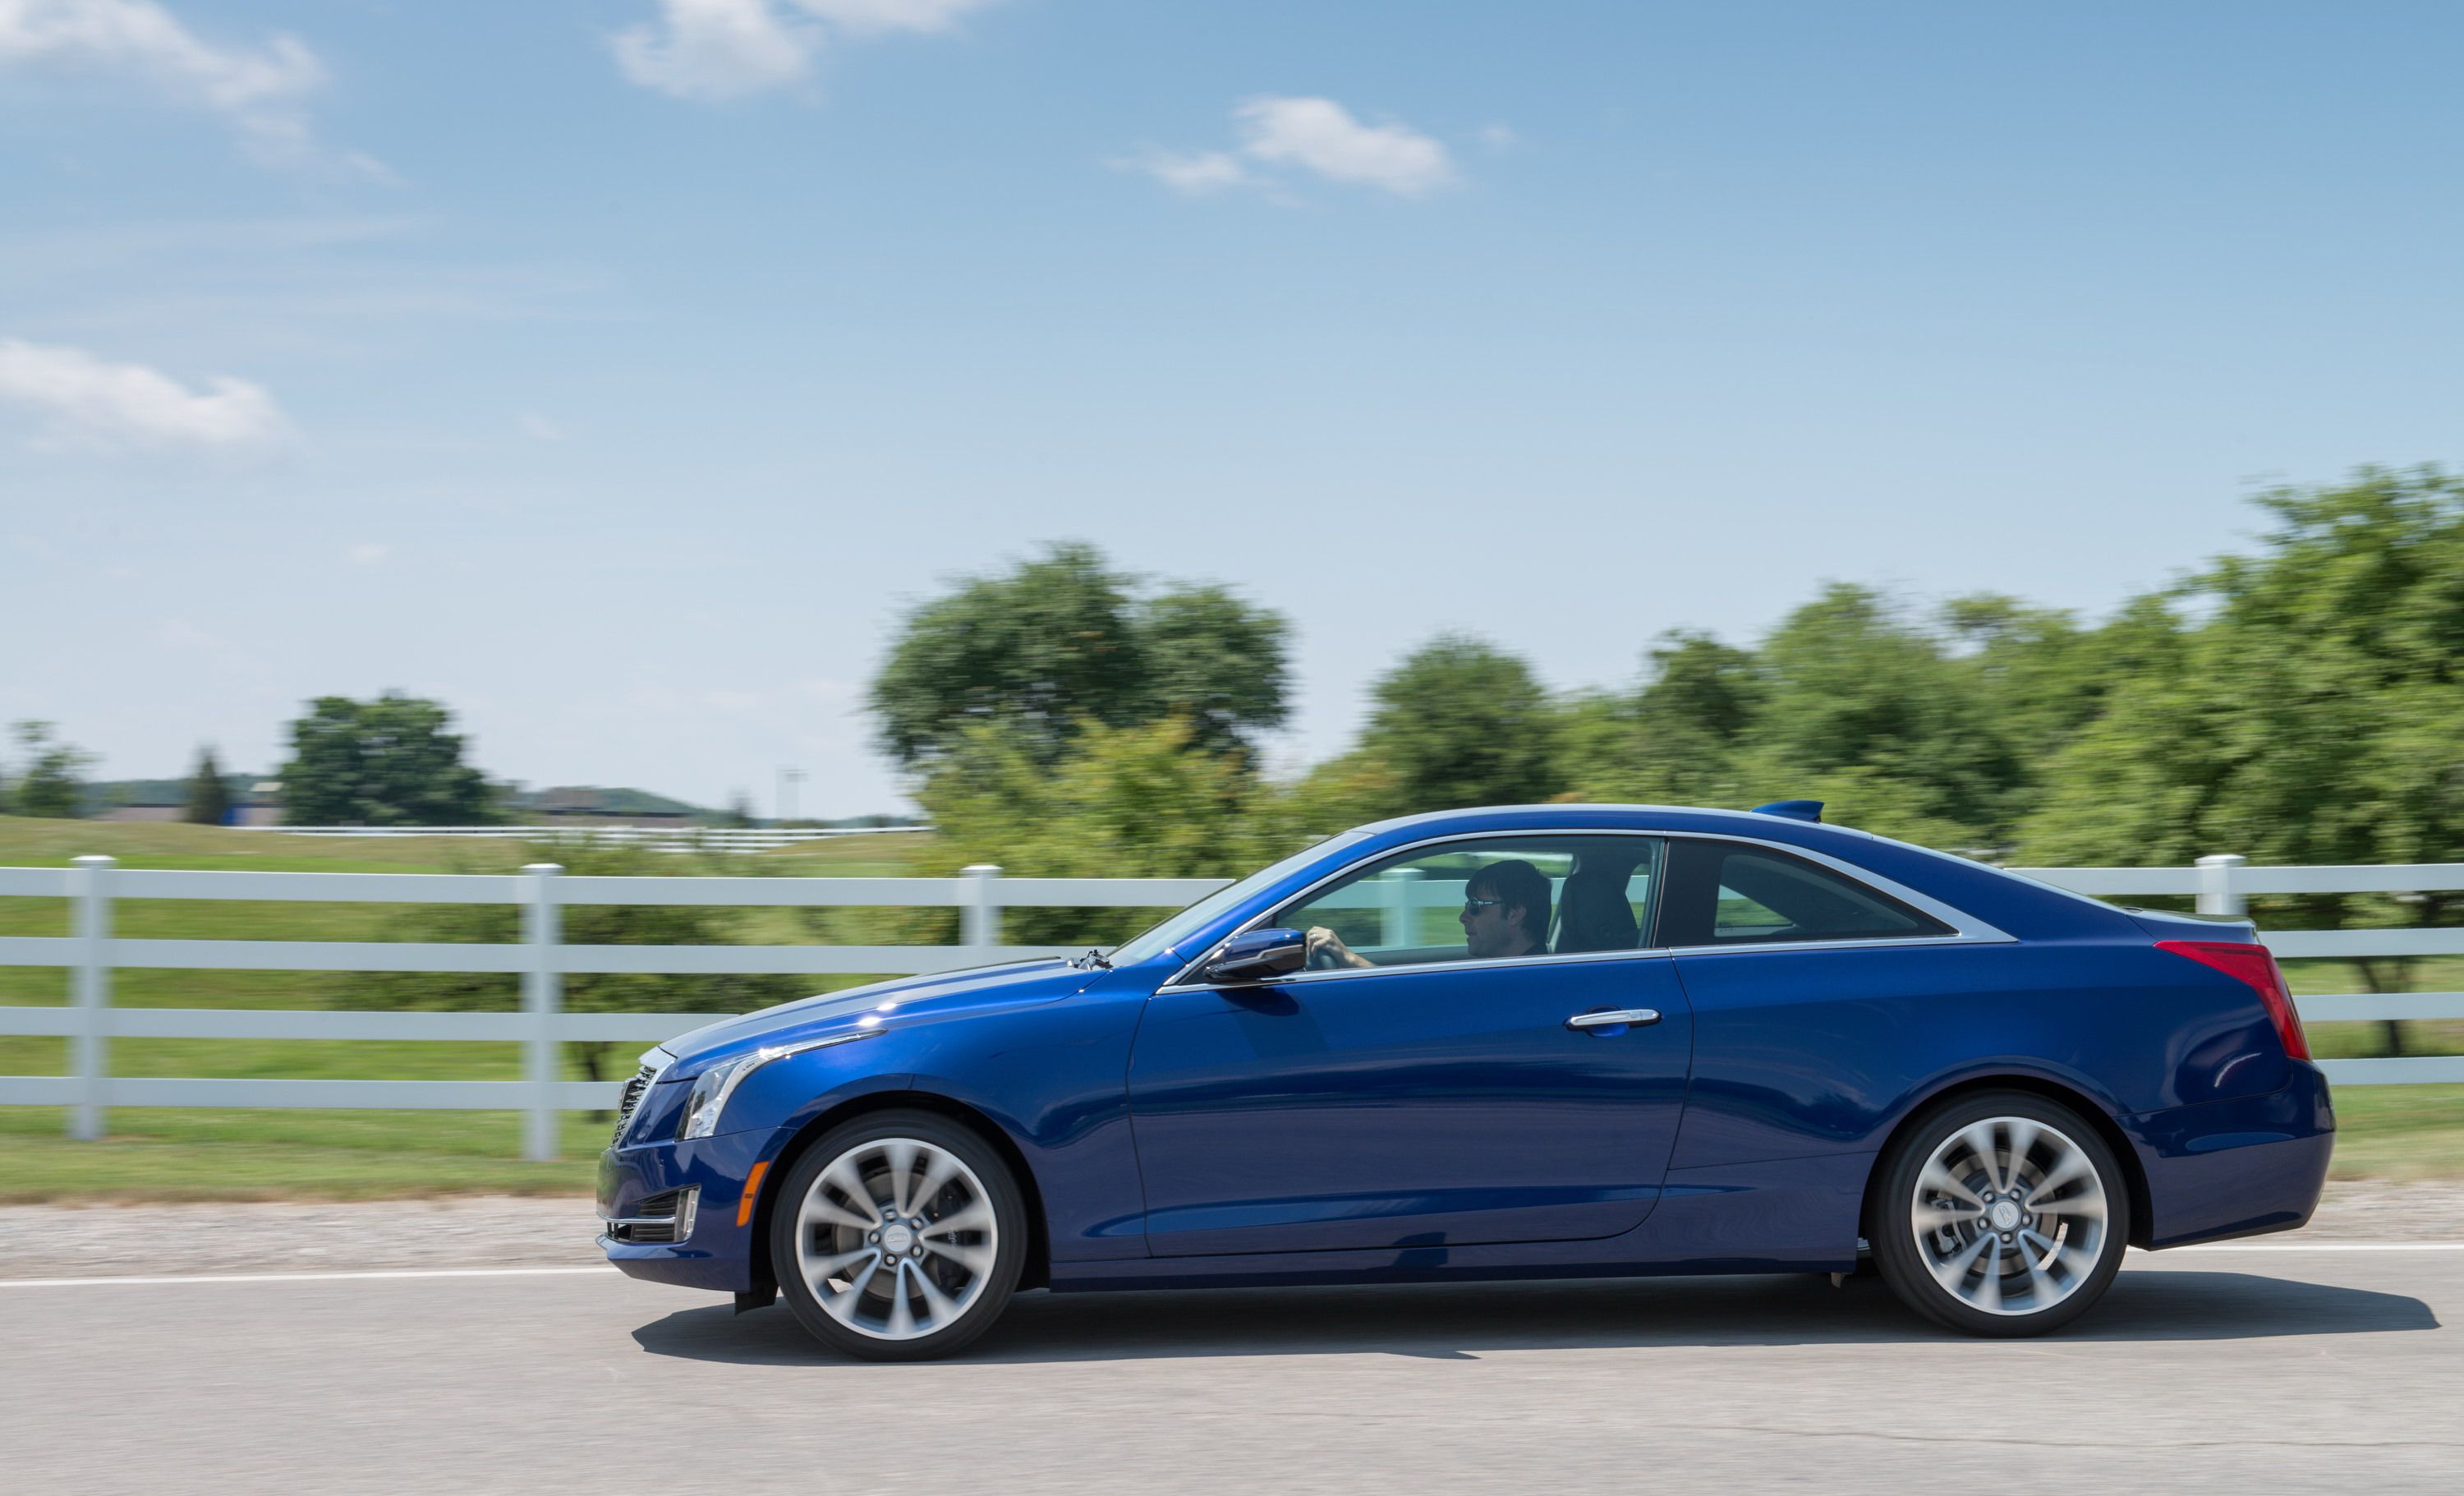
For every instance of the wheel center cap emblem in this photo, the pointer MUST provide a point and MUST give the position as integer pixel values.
(898, 1240)
(2004, 1214)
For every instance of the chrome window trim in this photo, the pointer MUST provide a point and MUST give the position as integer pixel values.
(1860, 943)
(1966, 927)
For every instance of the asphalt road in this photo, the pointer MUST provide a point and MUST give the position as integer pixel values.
(2203, 1371)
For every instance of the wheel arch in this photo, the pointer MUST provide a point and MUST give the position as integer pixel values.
(2142, 1210)
(1037, 1271)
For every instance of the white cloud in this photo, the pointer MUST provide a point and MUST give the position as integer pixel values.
(1193, 172)
(538, 427)
(131, 404)
(369, 553)
(1315, 135)
(716, 49)
(725, 49)
(862, 16)
(262, 90)
(1322, 136)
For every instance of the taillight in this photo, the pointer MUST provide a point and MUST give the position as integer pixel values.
(2256, 965)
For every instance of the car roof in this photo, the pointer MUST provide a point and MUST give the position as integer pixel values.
(1576, 815)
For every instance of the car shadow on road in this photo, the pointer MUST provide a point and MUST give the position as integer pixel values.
(1458, 1321)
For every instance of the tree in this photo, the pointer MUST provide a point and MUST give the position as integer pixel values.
(1135, 802)
(1680, 739)
(1462, 723)
(1335, 796)
(1215, 662)
(208, 792)
(1063, 643)
(1701, 688)
(52, 781)
(2314, 716)
(1858, 690)
(390, 761)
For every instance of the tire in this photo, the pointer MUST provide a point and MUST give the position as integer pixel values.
(845, 1215)
(2002, 1213)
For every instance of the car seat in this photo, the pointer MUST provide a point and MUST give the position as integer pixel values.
(1592, 913)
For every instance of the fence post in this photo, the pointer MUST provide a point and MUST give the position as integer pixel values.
(542, 996)
(90, 1057)
(981, 925)
(1401, 926)
(2217, 894)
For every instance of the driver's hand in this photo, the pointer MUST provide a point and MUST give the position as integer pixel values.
(1326, 949)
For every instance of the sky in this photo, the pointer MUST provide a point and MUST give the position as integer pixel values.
(620, 371)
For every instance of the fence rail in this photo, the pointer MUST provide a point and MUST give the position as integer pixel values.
(657, 838)
(91, 953)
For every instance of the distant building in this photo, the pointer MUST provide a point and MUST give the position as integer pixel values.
(253, 801)
(588, 804)
(260, 804)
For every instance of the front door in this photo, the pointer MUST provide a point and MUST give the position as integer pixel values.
(1420, 1090)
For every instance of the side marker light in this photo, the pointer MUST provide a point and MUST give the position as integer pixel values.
(752, 1193)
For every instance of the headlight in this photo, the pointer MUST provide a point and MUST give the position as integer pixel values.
(709, 1093)
(712, 1088)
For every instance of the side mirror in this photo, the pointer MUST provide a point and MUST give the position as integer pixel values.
(1259, 956)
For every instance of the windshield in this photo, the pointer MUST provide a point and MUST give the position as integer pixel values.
(1176, 928)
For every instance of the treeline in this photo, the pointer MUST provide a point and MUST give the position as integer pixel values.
(2297, 703)
(390, 761)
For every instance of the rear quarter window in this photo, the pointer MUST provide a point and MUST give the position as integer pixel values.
(1732, 893)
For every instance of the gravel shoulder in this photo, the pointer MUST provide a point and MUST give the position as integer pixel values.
(526, 1231)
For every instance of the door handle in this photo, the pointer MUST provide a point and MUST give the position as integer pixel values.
(1638, 1017)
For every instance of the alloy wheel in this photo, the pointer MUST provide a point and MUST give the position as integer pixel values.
(2010, 1216)
(896, 1237)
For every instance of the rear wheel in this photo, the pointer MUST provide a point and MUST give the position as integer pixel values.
(2002, 1213)
(898, 1236)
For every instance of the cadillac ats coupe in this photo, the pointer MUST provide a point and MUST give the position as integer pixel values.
(1544, 1042)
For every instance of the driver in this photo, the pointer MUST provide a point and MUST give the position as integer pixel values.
(1504, 913)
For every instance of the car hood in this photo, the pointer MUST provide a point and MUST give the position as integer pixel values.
(896, 1003)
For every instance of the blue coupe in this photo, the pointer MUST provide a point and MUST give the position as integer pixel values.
(1559, 1040)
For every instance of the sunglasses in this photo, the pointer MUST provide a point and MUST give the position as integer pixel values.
(1471, 904)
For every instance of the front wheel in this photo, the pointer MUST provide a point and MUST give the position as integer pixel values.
(2003, 1214)
(898, 1236)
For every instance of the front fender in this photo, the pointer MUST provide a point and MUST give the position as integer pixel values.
(1050, 1081)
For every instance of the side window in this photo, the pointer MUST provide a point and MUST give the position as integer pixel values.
(1483, 899)
(1727, 893)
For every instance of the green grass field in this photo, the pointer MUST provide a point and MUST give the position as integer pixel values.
(2395, 1131)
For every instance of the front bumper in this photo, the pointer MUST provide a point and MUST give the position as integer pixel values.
(719, 1254)
(2235, 1168)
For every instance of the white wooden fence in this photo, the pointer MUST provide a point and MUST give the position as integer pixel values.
(656, 838)
(91, 953)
